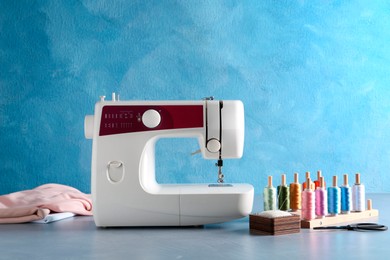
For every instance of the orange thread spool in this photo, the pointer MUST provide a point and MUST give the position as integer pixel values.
(295, 194)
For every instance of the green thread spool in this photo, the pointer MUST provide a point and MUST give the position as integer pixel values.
(283, 194)
(269, 195)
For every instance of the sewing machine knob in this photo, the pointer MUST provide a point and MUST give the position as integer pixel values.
(151, 118)
(213, 145)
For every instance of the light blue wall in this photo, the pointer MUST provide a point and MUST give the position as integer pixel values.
(313, 75)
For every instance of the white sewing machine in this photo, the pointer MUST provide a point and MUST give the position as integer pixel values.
(124, 187)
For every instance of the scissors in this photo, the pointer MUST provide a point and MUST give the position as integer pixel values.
(357, 227)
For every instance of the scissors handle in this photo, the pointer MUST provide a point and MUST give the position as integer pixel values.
(368, 227)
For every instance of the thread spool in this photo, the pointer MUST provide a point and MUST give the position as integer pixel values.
(308, 202)
(346, 196)
(317, 183)
(304, 187)
(358, 195)
(321, 199)
(334, 198)
(269, 195)
(283, 194)
(295, 194)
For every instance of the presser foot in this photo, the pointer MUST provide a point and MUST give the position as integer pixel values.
(220, 177)
(219, 164)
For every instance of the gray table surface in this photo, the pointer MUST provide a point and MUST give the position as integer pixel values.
(78, 238)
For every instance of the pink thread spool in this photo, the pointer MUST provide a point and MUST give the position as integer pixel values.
(308, 202)
(321, 199)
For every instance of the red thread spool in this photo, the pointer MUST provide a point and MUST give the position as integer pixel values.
(317, 183)
(304, 185)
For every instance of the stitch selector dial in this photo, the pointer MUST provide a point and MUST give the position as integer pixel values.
(151, 118)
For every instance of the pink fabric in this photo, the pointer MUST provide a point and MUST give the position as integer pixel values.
(35, 204)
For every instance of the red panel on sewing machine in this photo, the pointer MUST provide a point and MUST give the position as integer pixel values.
(128, 119)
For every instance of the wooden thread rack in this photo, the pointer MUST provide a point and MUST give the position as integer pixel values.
(341, 218)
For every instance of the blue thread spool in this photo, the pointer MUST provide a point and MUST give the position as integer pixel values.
(334, 198)
(346, 196)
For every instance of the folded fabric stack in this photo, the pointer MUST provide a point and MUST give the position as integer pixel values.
(38, 203)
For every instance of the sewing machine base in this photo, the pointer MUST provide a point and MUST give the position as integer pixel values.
(175, 205)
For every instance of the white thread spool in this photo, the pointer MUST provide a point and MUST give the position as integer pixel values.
(358, 195)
